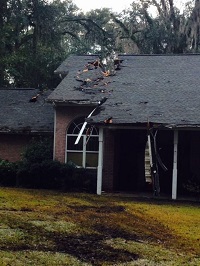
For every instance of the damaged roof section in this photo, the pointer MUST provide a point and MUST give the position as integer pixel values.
(97, 75)
(88, 79)
(25, 111)
(162, 89)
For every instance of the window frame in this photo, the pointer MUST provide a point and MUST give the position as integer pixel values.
(84, 139)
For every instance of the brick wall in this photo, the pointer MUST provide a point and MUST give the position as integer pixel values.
(12, 145)
(64, 116)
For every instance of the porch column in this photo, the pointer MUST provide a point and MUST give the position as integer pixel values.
(174, 177)
(100, 163)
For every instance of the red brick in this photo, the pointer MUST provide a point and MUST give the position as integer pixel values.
(12, 146)
(64, 116)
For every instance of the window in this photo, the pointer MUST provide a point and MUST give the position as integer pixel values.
(85, 153)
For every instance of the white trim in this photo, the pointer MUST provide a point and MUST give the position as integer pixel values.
(84, 151)
(150, 151)
(100, 163)
(66, 147)
(174, 176)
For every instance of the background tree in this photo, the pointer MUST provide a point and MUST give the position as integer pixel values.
(168, 30)
(36, 35)
(93, 31)
(32, 41)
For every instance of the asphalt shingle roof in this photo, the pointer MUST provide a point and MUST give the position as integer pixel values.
(156, 88)
(19, 115)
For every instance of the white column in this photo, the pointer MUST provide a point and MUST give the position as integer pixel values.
(84, 151)
(174, 177)
(150, 151)
(100, 163)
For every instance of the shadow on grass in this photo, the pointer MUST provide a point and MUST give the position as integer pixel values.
(87, 248)
(92, 249)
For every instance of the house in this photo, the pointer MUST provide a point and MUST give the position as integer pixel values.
(115, 116)
(125, 103)
(24, 115)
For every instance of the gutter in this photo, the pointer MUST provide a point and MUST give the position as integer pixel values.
(81, 102)
(142, 125)
(25, 132)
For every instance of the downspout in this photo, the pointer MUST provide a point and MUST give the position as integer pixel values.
(174, 176)
(100, 163)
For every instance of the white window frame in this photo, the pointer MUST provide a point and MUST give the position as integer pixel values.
(85, 139)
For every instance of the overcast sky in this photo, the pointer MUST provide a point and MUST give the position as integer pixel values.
(115, 5)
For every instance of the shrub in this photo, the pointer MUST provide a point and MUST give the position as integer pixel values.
(193, 187)
(38, 170)
(8, 173)
(46, 174)
(80, 180)
(38, 151)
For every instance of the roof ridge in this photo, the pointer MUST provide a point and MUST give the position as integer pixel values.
(189, 54)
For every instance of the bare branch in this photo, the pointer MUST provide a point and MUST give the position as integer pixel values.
(164, 7)
(80, 20)
(158, 7)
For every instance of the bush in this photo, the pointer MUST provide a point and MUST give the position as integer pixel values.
(193, 187)
(80, 180)
(38, 151)
(38, 170)
(48, 174)
(8, 173)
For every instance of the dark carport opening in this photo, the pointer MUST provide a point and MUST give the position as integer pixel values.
(130, 161)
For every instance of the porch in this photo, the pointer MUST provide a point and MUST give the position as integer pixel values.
(179, 151)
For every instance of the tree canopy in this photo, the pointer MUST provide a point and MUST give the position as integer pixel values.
(31, 41)
(36, 35)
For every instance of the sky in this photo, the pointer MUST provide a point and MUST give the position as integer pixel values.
(115, 5)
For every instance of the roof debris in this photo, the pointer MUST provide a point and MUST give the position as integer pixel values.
(108, 120)
(40, 93)
(136, 92)
(95, 74)
(103, 100)
(34, 98)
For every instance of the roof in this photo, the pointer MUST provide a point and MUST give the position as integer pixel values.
(69, 88)
(25, 111)
(163, 89)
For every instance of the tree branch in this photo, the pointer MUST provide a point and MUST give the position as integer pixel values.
(80, 20)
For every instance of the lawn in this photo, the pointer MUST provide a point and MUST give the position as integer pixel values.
(41, 227)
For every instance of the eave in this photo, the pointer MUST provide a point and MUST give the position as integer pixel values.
(145, 125)
(81, 102)
(25, 132)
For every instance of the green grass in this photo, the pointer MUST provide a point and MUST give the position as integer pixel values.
(41, 227)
